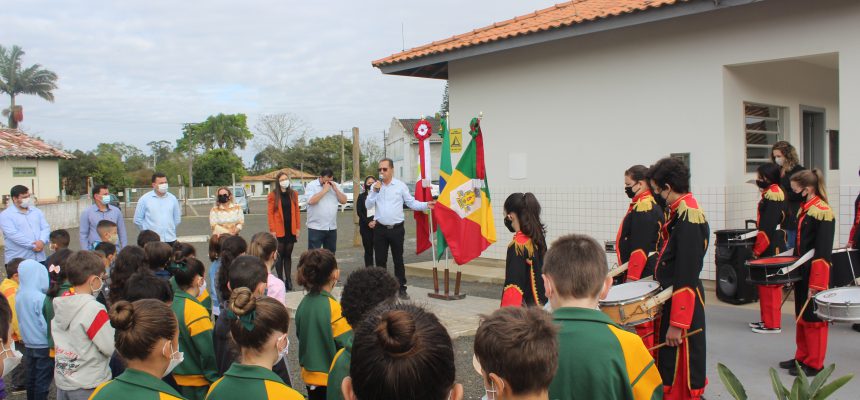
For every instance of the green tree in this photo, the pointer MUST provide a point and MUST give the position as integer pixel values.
(443, 108)
(131, 156)
(15, 80)
(269, 159)
(74, 172)
(160, 150)
(222, 131)
(111, 172)
(321, 153)
(176, 164)
(215, 168)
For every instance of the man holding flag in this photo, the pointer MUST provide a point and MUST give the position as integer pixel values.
(389, 195)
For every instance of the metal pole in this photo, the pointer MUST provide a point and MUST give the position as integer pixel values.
(342, 156)
(356, 177)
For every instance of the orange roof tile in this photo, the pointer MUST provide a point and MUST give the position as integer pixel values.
(17, 144)
(555, 17)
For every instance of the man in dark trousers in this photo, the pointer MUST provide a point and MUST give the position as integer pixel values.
(388, 195)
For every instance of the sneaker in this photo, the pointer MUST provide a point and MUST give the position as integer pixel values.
(856, 327)
(759, 324)
(788, 364)
(762, 329)
(403, 295)
(807, 370)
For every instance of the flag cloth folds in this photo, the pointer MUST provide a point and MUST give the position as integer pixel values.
(444, 175)
(463, 211)
(423, 131)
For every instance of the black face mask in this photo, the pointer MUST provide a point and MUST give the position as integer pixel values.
(762, 184)
(509, 224)
(629, 191)
(222, 198)
(660, 201)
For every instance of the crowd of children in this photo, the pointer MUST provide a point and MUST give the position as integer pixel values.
(141, 323)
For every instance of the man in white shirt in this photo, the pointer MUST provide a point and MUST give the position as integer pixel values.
(324, 199)
(389, 195)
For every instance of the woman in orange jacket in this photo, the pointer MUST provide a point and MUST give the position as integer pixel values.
(284, 220)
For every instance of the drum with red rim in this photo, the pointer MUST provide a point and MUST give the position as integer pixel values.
(765, 270)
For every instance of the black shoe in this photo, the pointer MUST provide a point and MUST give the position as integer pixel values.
(18, 389)
(856, 327)
(789, 364)
(403, 295)
(807, 370)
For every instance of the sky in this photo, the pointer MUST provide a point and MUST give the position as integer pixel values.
(135, 71)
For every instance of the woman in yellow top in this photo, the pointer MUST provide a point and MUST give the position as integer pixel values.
(226, 216)
(260, 329)
(147, 338)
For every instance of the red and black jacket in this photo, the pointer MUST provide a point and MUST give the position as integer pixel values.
(771, 214)
(638, 235)
(854, 237)
(523, 270)
(685, 241)
(815, 229)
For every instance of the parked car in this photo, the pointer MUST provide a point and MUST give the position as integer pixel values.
(241, 198)
(303, 198)
(347, 189)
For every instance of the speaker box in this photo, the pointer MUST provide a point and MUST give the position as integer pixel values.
(732, 285)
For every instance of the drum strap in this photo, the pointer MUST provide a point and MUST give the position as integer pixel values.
(785, 270)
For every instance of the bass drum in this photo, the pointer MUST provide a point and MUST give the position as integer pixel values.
(845, 267)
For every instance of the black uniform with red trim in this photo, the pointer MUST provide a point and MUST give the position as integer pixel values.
(638, 235)
(523, 281)
(685, 241)
(768, 242)
(854, 236)
(816, 227)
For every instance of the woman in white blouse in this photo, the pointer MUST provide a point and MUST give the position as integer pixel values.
(226, 216)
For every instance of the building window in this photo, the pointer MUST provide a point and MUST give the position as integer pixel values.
(23, 172)
(764, 125)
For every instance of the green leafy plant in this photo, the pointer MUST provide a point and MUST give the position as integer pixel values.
(801, 388)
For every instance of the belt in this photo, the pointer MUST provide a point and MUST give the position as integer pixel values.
(392, 226)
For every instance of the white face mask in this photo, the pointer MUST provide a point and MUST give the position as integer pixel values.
(779, 161)
(491, 393)
(285, 184)
(176, 358)
(96, 291)
(282, 353)
(26, 203)
(203, 286)
(162, 188)
(13, 358)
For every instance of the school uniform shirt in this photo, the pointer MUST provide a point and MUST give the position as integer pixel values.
(771, 214)
(339, 370)
(600, 360)
(203, 298)
(251, 382)
(84, 342)
(523, 281)
(195, 340)
(638, 235)
(9, 287)
(322, 331)
(135, 385)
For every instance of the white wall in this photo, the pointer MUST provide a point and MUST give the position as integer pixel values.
(585, 109)
(404, 153)
(45, 185)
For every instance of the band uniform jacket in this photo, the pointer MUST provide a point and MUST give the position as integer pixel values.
(769, 240)
(638, 235)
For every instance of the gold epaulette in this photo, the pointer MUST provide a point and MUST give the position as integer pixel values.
(521, 246)
(820, 211)
(644, 204)
(774, 195)
(691, 214)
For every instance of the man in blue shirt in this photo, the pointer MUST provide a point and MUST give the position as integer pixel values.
(388, 196)
(324, 199)
(24, 227)
(158, 210)
(99, 211)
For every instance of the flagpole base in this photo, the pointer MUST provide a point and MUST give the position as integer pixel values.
(447, 295)
(435, 280)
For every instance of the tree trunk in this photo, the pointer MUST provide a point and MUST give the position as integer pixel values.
(13, 123)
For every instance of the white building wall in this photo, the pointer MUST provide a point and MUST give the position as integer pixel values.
(582, 110)
(401, 149)
(45, 185)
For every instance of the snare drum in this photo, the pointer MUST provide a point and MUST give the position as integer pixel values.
(625, 302)
(765, 271)
(840, 304)
(845, 267)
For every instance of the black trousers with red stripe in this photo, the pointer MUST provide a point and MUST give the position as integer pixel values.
(686, 378)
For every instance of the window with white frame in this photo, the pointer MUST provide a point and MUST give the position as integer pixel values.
(764, 125)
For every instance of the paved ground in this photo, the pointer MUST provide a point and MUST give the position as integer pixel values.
(730, 341)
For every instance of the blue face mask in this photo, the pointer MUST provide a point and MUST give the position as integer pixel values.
(106, 199)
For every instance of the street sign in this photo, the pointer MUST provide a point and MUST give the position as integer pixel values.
(456, 140)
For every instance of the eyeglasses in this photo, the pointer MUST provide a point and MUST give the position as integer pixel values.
(383, 169)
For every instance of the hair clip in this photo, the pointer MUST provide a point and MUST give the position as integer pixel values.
(54, 268)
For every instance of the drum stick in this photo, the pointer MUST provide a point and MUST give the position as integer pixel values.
(800, 315)
(664, 344)
(786, 297)
(618, 270)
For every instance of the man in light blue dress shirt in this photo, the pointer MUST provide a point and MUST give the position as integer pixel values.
(25, 229)
(324, 199)
(389, 195)
(158, 210)
(97, 212)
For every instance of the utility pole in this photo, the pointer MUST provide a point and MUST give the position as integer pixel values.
(342, 165)
(384, 147)
(356, 177)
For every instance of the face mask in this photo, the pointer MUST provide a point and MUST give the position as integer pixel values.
(222, 198)
(629, 191)
(105, 199)
(176, 358)
(97, 291)
(285, 184)
(26, 203)
(203, 286)
(113, 239)
(162, 188)
(779, 161)
(762, 184)
(13, 358)
(509, 224)
(282, 353)
(660, 201)
(490, 394)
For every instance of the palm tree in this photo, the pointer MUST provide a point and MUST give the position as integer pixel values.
(31, 80)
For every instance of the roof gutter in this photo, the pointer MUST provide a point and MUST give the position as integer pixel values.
(586, 28)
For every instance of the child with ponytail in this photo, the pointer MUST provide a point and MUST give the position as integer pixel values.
(259, 327)
(182, 251)
(265, 246)
(146, 337)
(322, 330)
(194, 375)
(524, 261)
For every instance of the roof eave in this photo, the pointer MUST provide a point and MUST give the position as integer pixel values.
(429, 66)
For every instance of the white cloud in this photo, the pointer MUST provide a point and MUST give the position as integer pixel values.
(135, 71)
